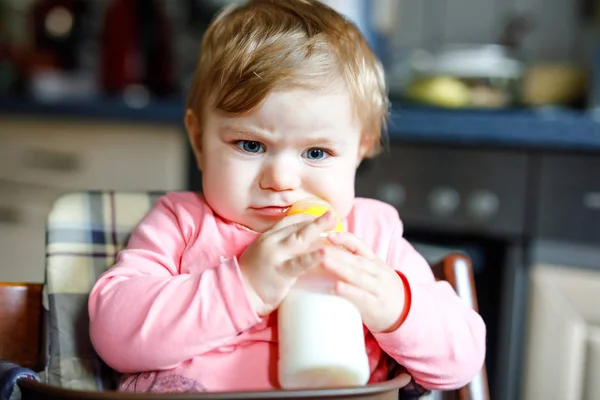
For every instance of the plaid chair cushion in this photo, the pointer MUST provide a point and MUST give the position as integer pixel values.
(85, 231)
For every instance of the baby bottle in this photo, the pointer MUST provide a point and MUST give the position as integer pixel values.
(321, 336)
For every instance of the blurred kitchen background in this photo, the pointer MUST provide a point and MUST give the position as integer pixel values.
(494, 142)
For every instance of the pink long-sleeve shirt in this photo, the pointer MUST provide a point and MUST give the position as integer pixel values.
(173, 313)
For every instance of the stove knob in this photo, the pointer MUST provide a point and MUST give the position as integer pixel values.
(392, 193)
(444, 201)
(483, 204)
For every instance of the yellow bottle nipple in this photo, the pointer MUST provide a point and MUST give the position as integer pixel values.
(317, 207)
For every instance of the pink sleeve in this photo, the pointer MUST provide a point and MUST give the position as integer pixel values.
(442, 340)
(145, 316)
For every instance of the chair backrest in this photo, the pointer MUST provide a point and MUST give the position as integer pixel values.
(457, 270)
(20, 321)
(85, 231)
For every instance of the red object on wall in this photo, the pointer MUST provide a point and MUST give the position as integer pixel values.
(136, 47)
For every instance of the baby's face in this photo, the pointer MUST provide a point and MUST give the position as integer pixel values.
(298, 143)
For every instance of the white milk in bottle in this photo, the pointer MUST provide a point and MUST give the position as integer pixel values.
(321, 335)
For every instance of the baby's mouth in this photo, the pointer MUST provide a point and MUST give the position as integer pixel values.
(272, 211)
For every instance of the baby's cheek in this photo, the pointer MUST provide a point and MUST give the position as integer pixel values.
(343, 202)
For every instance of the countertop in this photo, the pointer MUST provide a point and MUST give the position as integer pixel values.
(558, 129)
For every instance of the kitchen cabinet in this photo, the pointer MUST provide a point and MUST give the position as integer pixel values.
(561, 349)
(562, 344)
(40, 159)
(569, 199)
(88, 155)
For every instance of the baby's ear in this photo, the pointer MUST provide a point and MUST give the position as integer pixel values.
(192, 126)
(364, 149)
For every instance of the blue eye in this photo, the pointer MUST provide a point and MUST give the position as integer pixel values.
(315, 154)
(250, 146)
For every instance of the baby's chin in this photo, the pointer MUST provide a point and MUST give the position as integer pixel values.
(252, 224)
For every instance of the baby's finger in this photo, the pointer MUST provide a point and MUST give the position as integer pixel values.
(298, 265)
(351, 268)
(356, 295)
(351, 243)
(287, 226)
(291, 221)
(305, 235)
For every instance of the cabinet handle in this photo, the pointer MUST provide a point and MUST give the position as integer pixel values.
(51, 160)
(9, 215)
(591, 200)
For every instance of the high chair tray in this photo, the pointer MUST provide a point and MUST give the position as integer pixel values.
(32, 390)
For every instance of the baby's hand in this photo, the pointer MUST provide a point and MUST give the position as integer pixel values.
(271, 265)
(367, 281)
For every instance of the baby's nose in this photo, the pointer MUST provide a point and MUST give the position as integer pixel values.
(280, 176)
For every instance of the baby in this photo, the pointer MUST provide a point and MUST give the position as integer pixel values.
(287, 100)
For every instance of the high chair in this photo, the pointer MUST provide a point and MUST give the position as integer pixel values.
(44, 337)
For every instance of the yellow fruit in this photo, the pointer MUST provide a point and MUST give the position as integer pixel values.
(440, 90)
(317, 207)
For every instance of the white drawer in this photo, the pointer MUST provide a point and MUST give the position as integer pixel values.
(86, 155)
(23, 213)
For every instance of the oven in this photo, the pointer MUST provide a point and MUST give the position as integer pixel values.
(474, 202)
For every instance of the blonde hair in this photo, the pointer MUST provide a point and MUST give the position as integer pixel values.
(252, 49)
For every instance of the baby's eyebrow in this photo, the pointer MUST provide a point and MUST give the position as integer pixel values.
(236, 129)
(243, 131)
(323, 140)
